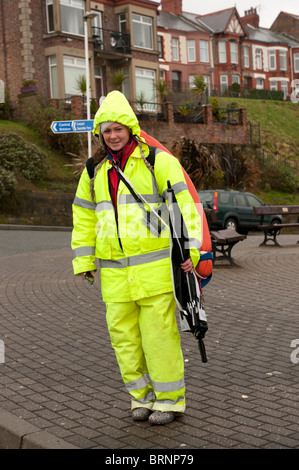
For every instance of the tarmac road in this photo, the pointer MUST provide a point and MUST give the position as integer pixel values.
(60, 386)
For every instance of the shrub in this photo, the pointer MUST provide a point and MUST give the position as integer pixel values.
(7, 183)
(18, 155)
(278, 176)
(41, 118)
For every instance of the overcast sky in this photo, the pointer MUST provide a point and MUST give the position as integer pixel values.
(268, 10)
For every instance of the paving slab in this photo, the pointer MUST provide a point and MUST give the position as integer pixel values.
(60, 385)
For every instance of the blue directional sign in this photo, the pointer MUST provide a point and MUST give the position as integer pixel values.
(83, 126)
(64, 127)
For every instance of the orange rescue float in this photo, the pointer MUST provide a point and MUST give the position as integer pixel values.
(205, 266)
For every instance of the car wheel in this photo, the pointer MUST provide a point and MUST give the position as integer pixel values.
(231, 223)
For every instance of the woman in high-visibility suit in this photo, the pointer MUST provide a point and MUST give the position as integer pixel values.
(134, 259)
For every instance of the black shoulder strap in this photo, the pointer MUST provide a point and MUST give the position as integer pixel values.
(150, 158)
(90, 167)
(152, 155)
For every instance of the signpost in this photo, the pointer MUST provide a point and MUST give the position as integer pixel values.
(67, 127)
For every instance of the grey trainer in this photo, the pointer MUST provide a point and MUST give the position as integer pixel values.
(140, 414)
(159, 417)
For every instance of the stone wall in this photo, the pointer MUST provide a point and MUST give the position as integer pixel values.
(42, 208)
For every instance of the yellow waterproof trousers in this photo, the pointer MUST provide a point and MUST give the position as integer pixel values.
(146, 340)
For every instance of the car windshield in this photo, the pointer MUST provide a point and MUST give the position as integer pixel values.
(253, 201)
(205, 197)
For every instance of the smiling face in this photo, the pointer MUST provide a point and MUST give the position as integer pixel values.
(116, 136)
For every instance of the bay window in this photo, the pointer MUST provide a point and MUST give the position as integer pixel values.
(71, 12)
(50, 16)
(234, 57)
(191, 50)
(175, 48)
(283, 60)
(145, 86)
(142, 31)
(272, 60)
(259, 60)
(222, 52)
(204, 51)
(74, 68)
(246, 56)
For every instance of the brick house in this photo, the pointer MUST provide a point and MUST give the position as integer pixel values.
(244, 53)
(227, 32)
(184, 48)
(286, 22)
(43, 40)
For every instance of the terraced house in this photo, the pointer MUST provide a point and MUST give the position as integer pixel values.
(242, 52)
(43, 41)
(133, 43)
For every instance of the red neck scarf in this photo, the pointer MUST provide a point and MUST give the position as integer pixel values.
(120, 158)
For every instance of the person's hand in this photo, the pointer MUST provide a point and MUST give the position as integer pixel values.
(83, 275)
(187, 266)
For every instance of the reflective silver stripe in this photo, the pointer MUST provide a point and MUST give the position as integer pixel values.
(84, 203)
(148, 398)
(135, 260)
(84, 251)
(193, 243)
(129, 199)
(171, 402)
(168, 386)
(137, 384)
(104, 206)
(177, 188)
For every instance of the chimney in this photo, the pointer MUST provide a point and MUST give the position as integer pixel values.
(172, 6)
(251, 17)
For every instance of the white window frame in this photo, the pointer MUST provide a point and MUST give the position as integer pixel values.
(191, 50)
(273, 85)
(204, 50)
(73, 6)
(296, 62)
(260, 83)
(53, 76)
(284, 87)
(222, 52)
(122, 23)
(246, 55)
(148, 74)
(236, 79)
(234, 55)
(50, 13)
(145, 24)
(160, 40)
(283, 60)
(223, 83)
(175, 49)
(272, 59)
(75, 63)
(259, 58)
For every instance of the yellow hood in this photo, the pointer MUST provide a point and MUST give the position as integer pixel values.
(116, 108)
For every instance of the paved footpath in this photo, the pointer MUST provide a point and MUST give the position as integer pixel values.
(60, 385)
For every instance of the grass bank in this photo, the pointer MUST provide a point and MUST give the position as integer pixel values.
(279, 122)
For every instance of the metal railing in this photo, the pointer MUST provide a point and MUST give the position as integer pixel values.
(111, 41)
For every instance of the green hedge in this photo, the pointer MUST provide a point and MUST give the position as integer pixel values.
(264, 94)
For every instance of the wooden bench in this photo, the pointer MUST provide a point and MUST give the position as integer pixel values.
(223, 242)
(272, 230)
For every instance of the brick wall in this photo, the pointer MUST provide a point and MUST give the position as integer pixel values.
(287, 23)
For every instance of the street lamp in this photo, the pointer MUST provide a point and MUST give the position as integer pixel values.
(88, 15)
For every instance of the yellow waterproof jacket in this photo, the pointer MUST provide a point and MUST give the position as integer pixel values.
(134, 261)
